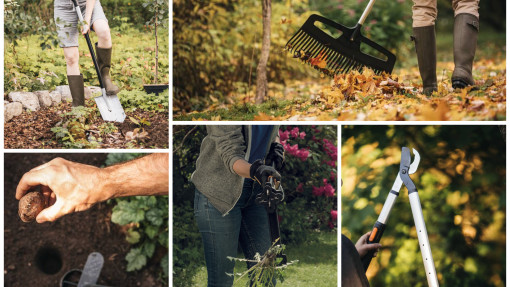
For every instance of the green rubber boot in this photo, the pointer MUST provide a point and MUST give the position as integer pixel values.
(425, 44)
(465, 34)
(104, 59)
(77, 89)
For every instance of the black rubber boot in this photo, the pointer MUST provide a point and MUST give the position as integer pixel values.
(104, 59)
(465, 34)
(77, 89)
(425, 44)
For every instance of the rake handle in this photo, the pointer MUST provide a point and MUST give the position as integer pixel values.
(362, 19)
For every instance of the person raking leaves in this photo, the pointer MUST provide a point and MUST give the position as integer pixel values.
(465, 33)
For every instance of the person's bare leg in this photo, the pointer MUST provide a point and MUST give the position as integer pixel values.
(104, 54)
(74, 77)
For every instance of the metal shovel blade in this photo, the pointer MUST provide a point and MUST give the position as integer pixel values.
(91, 270)
(110, 108)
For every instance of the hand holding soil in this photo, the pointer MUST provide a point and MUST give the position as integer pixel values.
(31, 205)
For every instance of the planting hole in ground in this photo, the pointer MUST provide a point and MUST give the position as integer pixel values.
(48, 260)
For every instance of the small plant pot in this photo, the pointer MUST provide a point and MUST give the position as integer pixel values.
(155, 88)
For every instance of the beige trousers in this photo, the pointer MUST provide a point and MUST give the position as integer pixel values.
(425, 11)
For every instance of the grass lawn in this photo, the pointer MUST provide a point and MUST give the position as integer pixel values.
(317, 264)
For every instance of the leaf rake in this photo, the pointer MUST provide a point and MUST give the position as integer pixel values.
(339, 55)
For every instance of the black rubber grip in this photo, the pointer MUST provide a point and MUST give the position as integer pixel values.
(375, 237)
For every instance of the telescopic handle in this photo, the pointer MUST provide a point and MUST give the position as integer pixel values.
(375, 237)
(361, 20)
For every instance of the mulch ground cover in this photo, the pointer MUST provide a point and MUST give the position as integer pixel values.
(33, 130)
(71, 238)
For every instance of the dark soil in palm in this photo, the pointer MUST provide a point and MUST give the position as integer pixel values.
(40, 254)
(33, 130)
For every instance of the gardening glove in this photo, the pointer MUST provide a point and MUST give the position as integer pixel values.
(363, 247)
(261, 172)
(276, 155)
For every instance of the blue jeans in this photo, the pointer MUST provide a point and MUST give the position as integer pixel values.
(246, 224)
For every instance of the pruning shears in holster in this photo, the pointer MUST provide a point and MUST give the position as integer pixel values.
(272, 194)
(406, 168)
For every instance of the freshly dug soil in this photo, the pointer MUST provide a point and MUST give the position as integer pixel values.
(33, 130)
(40, 254)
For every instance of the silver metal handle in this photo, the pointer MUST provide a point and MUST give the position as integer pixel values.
(366, 12)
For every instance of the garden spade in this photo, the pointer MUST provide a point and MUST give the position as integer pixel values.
(109, 106)
(89, 276)
(342, 54)
(271, 195)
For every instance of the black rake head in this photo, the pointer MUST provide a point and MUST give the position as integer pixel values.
(337, 55)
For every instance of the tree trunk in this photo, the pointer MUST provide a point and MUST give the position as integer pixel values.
(264, 55)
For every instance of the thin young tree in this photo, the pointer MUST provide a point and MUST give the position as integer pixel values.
(264, 55)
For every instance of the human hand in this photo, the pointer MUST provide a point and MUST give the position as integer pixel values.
(85, 27)
(363, 247)
(67, 187)
(261, 172)
(276, 155)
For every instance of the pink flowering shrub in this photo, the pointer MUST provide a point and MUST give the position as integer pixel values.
(309, 179)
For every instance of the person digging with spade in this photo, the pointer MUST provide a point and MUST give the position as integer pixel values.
(234, 163)
(465, 33)
(66, 21)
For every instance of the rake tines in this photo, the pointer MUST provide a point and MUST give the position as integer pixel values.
(336, 55)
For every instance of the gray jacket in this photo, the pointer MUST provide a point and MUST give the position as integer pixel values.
(214, 175)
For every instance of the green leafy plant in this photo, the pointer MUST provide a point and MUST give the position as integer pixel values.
(71, 131)
(132, 100)
(146, 220)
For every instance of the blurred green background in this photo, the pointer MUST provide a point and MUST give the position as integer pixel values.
(461, 183)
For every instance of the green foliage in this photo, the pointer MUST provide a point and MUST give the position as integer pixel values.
(159, 10)
(72, 130)
(132, 63)
(461, 184)
(302, 179)
(146, 218)
(136, 99)
(216, 48)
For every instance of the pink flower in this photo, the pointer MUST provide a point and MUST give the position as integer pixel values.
(302, 135)
(329, 191)
(318, 191)
(303, 154)
(333, 176)
(283, 135)
(324, 181)
(334, 214)
(294, 132)
(331, 225)
(299, 188)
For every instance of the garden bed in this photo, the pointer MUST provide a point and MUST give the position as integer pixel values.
(33, 130)
(72, 238)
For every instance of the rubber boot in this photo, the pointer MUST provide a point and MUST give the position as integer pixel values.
(465, 34)
(425, 44)
(104, 59)
(77, 89)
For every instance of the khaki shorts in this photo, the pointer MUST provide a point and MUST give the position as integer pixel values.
(67, 20)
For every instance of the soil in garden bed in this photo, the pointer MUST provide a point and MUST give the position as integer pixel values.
(33, 130)
(71, 238)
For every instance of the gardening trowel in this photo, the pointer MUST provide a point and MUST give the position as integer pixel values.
(109, 106)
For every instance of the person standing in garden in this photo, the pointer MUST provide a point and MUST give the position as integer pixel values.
(233, 164)
(465, 33)
(67, 20)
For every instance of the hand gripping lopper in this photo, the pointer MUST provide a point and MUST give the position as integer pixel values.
(406, 169)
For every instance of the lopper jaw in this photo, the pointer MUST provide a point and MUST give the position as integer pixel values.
(406, 168)
(337, 55)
